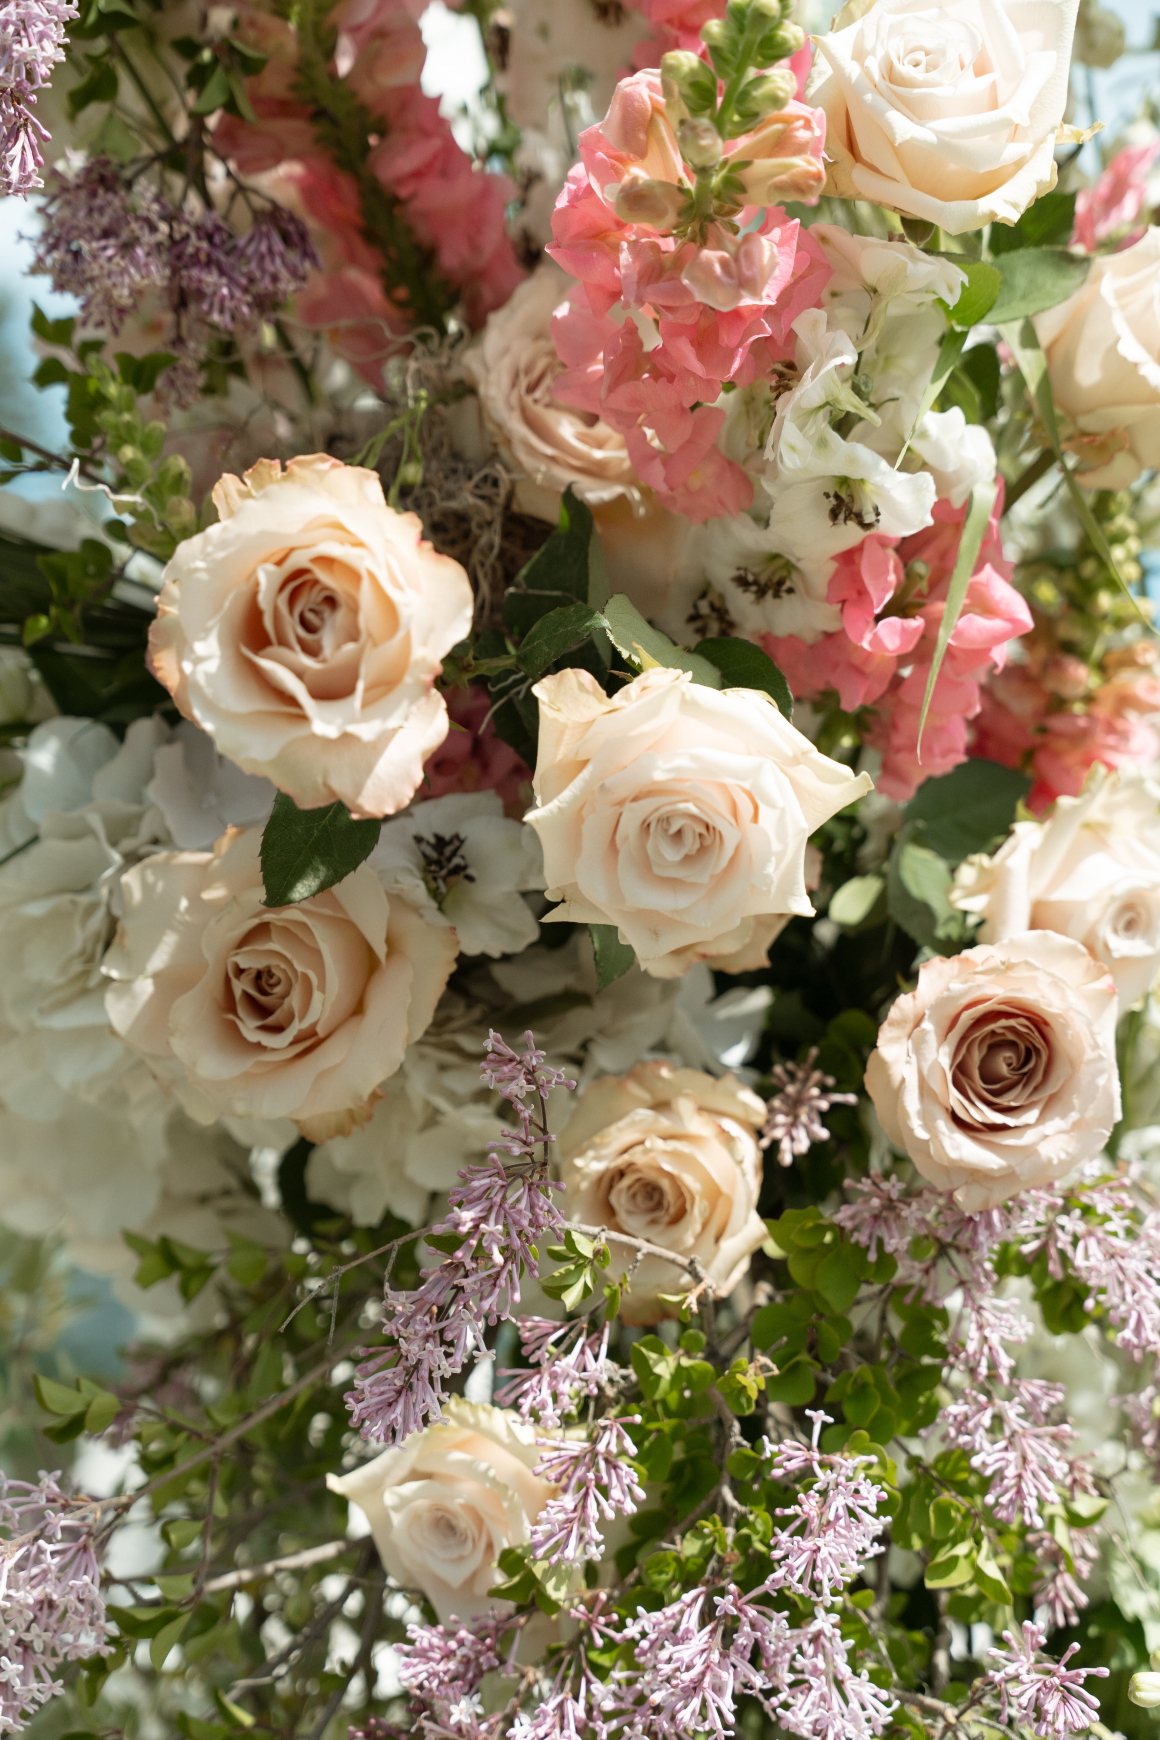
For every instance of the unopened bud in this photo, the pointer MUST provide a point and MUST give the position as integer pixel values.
(640, 200)
(700, 144)
(1144, 1690)
(686, 76)
(779, 43)
(766, 94)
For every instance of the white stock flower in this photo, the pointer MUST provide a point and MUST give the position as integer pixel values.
(957, 454)
(874, 280)
(733, 577)
(1091, 871)
(459, 860)
(444, 1505)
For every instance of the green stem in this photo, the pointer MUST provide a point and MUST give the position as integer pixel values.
(119, 50)
(1037, 469)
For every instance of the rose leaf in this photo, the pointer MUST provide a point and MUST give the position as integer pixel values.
(305, 851)
(613, 957)
(745, 666)
(1035, 279)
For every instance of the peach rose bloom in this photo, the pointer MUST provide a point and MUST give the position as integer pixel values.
(680, 814)
(670, 1156)
(997, 1073)
(304, 633)
(253, 1011)
(945, 111)
(1091, 871)
(1103, 355)
(446, 1503)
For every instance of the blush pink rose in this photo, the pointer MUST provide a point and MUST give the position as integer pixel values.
(997, 1073)
(304, 634)
(252, 1011)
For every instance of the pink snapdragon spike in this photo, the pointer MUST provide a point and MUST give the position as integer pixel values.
(499, 1213)
(892, 596)
(1048, 1695)
(32, 38)
(51, 1611)
(672, 305)
(1116, 200)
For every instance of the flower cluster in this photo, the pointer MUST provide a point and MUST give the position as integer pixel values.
(796, 1110)
(51, 1610)
(497, 1214)
(31, 44)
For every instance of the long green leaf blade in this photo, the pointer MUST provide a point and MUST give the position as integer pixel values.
(974, 527)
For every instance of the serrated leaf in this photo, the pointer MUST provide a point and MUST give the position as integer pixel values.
(966, 810)
(613, 957)
(745, 666)
(306, 851)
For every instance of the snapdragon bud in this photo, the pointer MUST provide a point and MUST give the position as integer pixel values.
(686, 77)
(700, 144)
(779, 43)
(1144, 1690)
(765, 94)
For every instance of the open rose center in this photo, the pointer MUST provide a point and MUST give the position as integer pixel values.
(1006, 1065)
(938, 57)
(645, 1201)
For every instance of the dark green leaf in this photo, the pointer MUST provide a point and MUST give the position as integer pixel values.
(639, 642)
(794, 1385)
(99, 87)
(966, 810)
(305, 851)
(1046, 224)
(613, 958)
(745, 666)
(559, 571)
(917, 885)
(555, 634)
(57, 1398)
(1036, 279)
(981, 365)
(142, 372)
(216, 93)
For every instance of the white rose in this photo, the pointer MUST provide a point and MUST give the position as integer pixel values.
(459, 860)
(1103, 355)
(1091, 871)
(446, 1503)
(997, 1073)
(945, 111)
(680, 814)
(669, 1156)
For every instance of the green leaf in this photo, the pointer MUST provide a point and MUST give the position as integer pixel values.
(966, 810)
(989, 1577)
(613, 957)
(155, 1264)
(102, 1411)
(57, 1398)
(143, 372)
(100, 86)
(555, 634)
(981, 364)
(306, 851)
(640, 644)
(216, 93)
(971, 542)
(855, 900)
(917, 887)
(745, 666)
(978, 294)
(561, 571)
(166, 1639)
(952, 1569)
(947, 360)
(838, 1280)
(1045, 224)
(1035, 279)
(794, 1385)
(247, 1260)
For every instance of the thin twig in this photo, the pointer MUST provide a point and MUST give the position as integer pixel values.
(646, 1249)
(291, 1562)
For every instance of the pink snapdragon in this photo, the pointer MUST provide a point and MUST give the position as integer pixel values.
(1116, 200)
(661, 321)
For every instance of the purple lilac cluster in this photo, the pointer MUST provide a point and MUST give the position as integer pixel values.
(596, 1479)
(110, 242)
(794, 1119)
(566, 1366)
(31, 43)
(1048, 1695)
(497, 1215)
(51, 1610)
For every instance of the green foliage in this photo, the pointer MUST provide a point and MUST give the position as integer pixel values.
(613, 957)
(306, 851)
(1035, 279)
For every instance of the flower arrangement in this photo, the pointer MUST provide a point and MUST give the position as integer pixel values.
(580, 878)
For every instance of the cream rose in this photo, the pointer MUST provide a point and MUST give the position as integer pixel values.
(998, 1073)
(258, 1012)
(304, 633)
(1090, 872)
(445, 1504)
(680, 814)
(1103, 355)
(945, 111)
(667, 1155)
